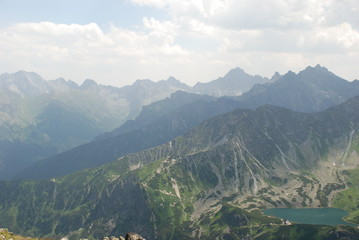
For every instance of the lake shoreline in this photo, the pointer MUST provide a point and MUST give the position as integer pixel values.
(313, 216)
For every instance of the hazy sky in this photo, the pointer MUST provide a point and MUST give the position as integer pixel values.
(116, 42)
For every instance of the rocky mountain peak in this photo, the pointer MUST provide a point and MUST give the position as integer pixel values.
(172, 79)
(276, 76)
(24, 83)
(235, 72)
(61, 83)
(31, 76)
(289, 75)
(89, 83)
(316, 69)
(176, 83)
(142, 82)
(234, 83)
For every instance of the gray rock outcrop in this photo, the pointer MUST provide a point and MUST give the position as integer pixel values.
(133, 236)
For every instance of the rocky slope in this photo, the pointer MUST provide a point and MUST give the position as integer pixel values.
(5, 234)
(157, 124)
(211, 182)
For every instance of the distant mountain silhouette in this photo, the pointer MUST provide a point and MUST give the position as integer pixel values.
(313, 89)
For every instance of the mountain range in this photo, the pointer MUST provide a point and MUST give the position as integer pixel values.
(312, 89)
(188, 166)
(135, 135)
(41, 118)
(211, 181)
(229, 84)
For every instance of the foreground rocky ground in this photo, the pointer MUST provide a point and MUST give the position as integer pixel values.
(5, 234)
(129, 236)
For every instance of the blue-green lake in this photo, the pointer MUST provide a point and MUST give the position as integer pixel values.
(322, 216)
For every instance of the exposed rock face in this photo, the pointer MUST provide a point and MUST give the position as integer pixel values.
(113, 238)
(133, 236)
(6, 235)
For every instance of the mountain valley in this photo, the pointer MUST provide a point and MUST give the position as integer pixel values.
(183, 165)
(212, 181)
(43, 118)
(313, 89)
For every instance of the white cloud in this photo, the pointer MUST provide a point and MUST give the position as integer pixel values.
(201, 40)
(303, 29)
(248, 13)
(203, 8)
(341, 38)
(153, 3)
(51, 48)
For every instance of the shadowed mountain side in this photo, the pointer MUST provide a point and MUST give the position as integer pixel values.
(160, 131)
(20, 152)
(152, 112)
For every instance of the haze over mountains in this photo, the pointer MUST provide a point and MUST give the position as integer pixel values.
(135, 135)
(176, 162)
(234, 83)
(205, 181)
(104, 108)
(41, 118)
